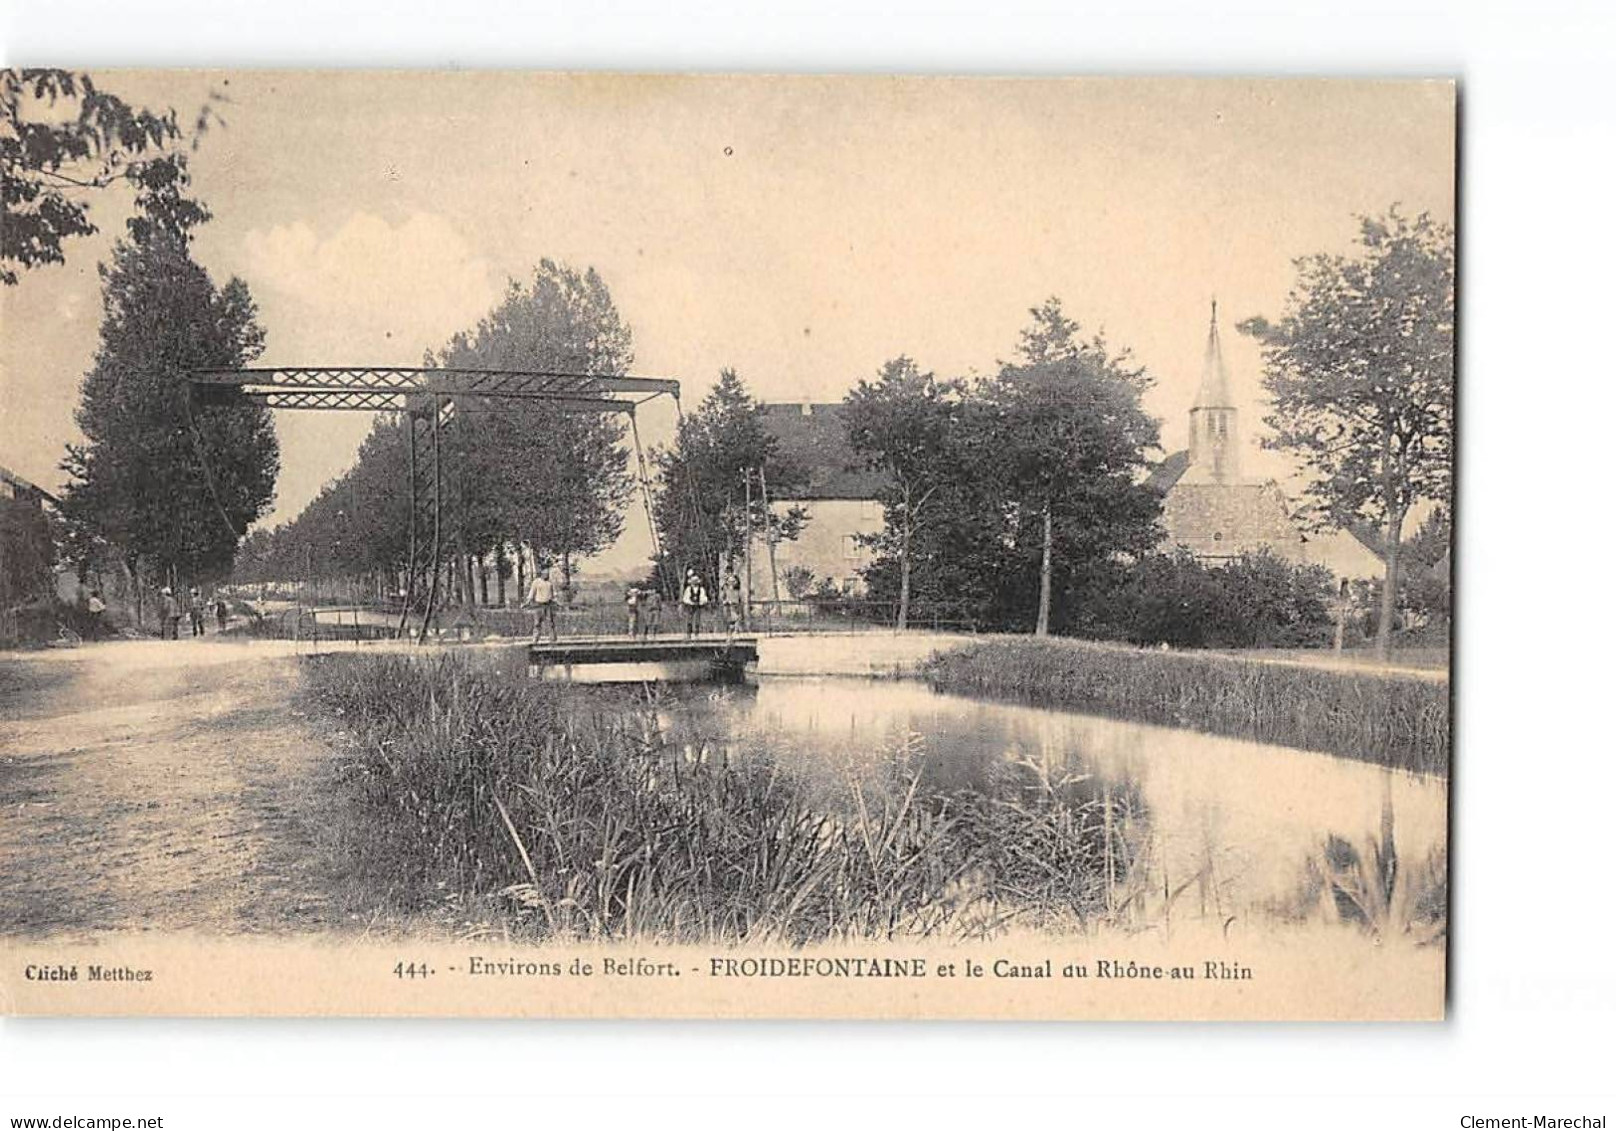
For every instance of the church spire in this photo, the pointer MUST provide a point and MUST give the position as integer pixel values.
(1214, 423)
(1214, 392)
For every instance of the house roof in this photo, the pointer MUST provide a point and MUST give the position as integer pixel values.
(813, 437)
(18, 483)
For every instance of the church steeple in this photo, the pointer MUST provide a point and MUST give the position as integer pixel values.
(1214, 421)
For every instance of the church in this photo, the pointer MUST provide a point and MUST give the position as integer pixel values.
(1208, 506)
(1218, 514)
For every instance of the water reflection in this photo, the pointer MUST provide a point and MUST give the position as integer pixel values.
(1180, 824)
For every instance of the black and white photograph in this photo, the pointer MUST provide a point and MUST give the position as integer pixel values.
(553, 544)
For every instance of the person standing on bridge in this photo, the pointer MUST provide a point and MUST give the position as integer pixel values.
(729, 595)
(631, 602)
(651, 611)
(171, 615)
(694, 598)
(541, 595)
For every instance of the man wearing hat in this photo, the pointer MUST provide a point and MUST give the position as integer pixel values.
(694, 598)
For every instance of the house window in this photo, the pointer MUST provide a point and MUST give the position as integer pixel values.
(851, 550)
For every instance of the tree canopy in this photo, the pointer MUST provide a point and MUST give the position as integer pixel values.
(1360, 372)
(1025, 483)
(171, 486)
(700, 501)
(1070, 443)
(65, 137)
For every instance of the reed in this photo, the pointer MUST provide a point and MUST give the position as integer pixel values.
(497, 806)
(1384, 718)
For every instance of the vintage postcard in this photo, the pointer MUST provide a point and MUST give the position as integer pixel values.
(570, 545)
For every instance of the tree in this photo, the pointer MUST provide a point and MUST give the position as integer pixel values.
(1425, 569)
(905, 424)
(700, 501)
(1069, 440)
(1360, 374)
(533, 472)
(171, 485)
(63, 138)
(358, 525)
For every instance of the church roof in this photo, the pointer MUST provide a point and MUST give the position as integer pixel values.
(1169, 471)
(1214, 391)
(813, 437)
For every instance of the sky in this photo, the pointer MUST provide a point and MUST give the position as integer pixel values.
(801, 230)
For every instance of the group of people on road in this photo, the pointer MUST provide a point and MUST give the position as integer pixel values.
(194, 607)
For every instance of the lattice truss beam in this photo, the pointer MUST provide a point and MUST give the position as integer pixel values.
(393, 389)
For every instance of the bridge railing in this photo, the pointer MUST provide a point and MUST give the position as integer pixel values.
(787, 617)
(854, 614)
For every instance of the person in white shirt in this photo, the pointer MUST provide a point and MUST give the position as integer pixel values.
(694, 598)
(541, 596)
(98, 614)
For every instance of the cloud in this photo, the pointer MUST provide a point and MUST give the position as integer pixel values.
(369, 291)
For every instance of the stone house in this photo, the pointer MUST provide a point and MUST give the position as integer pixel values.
(839, 497)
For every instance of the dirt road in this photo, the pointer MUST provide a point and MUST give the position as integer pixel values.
(160, 786)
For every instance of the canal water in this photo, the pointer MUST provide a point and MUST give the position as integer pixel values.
(1207, 826)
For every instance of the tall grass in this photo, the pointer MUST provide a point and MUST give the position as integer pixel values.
(1386, 719)
(549, 812)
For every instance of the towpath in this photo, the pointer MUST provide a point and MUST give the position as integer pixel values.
(159, 786)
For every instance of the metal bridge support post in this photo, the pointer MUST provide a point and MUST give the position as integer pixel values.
(409, 571)
(437, 518)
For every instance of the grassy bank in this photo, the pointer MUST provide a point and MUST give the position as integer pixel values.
(1374, 717)
(552, 812)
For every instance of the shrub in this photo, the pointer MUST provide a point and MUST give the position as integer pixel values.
(1255, 601)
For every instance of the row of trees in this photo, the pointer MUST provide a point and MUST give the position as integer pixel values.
(1018, 498)
(515, 474)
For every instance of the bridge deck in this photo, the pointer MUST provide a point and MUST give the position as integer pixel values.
(628, 650)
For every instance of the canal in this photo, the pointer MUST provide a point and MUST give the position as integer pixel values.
(1189, 825)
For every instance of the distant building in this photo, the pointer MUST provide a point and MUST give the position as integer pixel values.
(31, 500)
(840, 498)
(1216, 513)
(18, 489)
